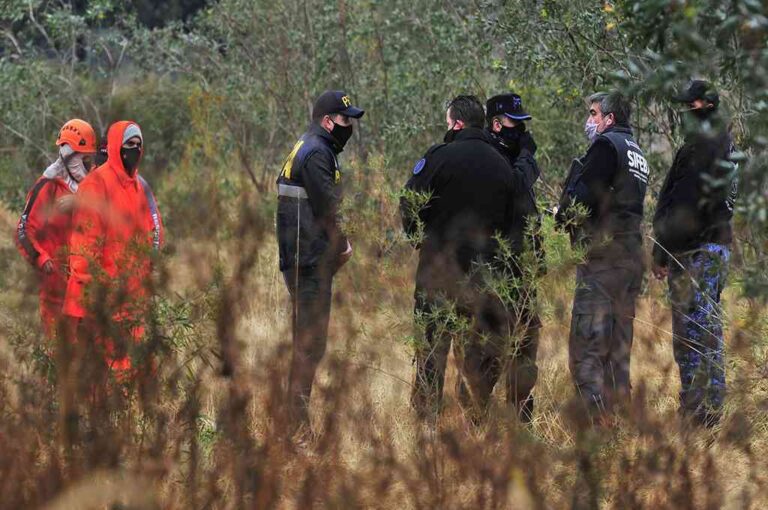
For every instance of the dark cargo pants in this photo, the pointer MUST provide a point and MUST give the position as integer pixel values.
(601, 332)
(522, 371)
(483, 346)
(438, 322)
(310, 291)
(697, 328)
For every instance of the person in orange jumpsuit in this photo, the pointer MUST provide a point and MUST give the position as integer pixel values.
(43, 230)
(115, 227)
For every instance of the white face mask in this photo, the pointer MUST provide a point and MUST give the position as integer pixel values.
(74, 163)
(590, 129)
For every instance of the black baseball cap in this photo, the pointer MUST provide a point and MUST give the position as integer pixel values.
(335, 101)
(699, 89)
(509, 104)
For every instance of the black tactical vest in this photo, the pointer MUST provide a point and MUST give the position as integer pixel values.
(623, 212)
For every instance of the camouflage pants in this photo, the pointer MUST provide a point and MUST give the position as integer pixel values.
(600, 341)
(695, 285)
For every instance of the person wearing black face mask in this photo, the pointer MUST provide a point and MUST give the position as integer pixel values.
(311, 243)
(459, 201)
(506, 124)
(509, 135)
(116, 225)
(130, 155)
(692, 230)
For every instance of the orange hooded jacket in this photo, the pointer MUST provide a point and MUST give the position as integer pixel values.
(42, 235)
(115, 227)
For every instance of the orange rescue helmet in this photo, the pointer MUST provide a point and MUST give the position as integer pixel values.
(79, 135)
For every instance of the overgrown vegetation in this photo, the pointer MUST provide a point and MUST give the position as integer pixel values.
(221, 95)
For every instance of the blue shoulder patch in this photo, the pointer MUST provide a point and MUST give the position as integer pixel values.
(419, 166)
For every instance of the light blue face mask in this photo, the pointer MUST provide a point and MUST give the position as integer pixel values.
(590, 129)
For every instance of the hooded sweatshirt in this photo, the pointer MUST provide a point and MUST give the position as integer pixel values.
(116, 226)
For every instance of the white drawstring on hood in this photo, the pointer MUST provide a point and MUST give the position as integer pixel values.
(69, 167)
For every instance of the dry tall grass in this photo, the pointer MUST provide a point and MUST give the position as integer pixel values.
(207, 429)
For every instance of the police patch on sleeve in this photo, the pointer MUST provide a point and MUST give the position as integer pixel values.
(419, 166)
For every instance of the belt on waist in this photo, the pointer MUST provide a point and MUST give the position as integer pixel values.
(286, 190)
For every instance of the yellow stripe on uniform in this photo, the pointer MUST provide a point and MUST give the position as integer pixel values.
(288, 165)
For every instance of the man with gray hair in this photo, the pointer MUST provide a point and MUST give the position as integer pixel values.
(608, 184)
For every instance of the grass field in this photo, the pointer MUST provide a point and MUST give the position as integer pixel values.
(200, 440)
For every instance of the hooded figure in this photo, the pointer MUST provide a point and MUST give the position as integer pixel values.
(45, 224)
(116, 226)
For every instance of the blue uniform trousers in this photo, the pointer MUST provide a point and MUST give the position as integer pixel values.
(696, 280)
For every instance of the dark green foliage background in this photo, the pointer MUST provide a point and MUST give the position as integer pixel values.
(222, 89)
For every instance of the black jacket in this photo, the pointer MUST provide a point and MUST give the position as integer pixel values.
(473, 197)
(528, 220)
(696, 201)
(610, 180)
(309, 195)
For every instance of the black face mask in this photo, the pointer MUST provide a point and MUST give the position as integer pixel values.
(511, 137)
(512, 134)
(450, 135)
(101, 156)
(702, 113)
(130, 159)
(342, 134)
(695, 114)
(692, 120)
